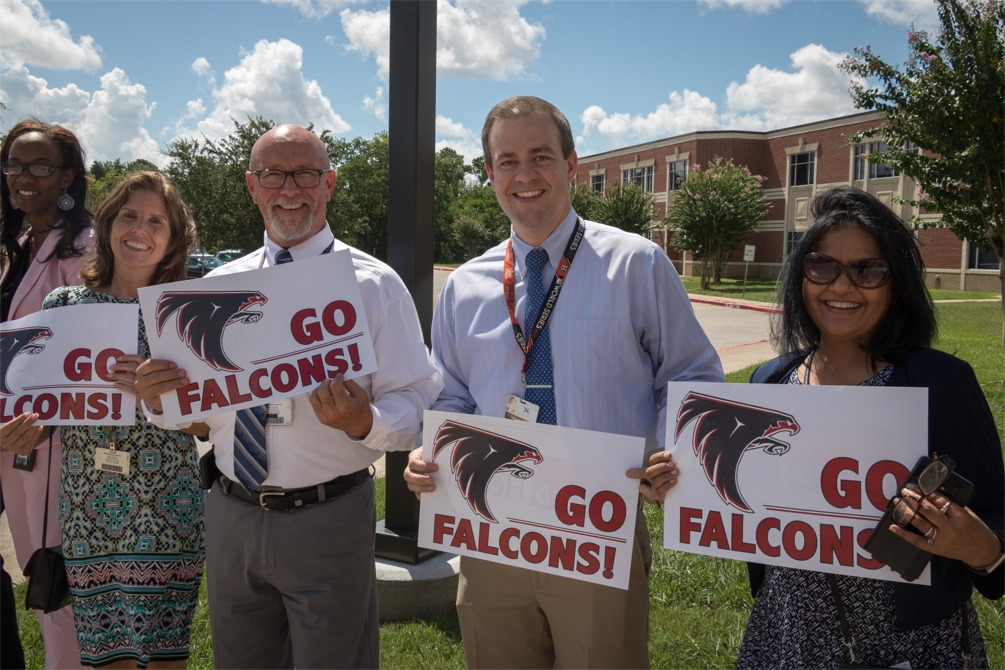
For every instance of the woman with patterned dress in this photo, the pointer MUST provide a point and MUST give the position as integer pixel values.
(133, 541)
(855, 311)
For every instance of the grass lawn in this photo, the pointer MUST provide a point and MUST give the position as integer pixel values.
(698, 605)
(763, 290)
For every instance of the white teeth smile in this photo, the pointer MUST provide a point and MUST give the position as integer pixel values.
(133, 244)
(528, 194)
(27, 193)
(291, 205)
(840, 304)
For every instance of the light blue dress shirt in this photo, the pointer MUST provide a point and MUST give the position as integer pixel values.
(623, 327)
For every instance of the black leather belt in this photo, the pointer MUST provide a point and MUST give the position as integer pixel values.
(279, 500)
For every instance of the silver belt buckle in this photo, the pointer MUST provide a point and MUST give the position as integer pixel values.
(269, 493)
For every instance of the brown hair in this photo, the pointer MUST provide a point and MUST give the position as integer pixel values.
(99, 268)
(525, 105)
(73, 221)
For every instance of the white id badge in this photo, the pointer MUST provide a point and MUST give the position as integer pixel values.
(279, 413)
(108, 460)
(521, 410)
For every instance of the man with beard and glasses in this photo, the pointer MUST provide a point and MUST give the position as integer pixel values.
(298, 587)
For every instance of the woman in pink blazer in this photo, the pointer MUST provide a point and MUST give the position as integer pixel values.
(44, 186)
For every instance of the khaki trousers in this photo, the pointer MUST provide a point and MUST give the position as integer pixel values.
(517, 618)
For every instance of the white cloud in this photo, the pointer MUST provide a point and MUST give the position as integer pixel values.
(766, 100)
(376, 105)
(314, 9)
(474, 38)
(29, 36)
(269, 81)
(202, 68)
(759, 6)
(458, 137)
(108, 122)
(922, 13)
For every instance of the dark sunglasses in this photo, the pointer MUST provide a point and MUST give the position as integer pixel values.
(864, 273)
(929, 481)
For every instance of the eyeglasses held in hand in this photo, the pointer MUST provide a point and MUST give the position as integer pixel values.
(929, 481)
(864, 273)
(34, 169)
(277, 178)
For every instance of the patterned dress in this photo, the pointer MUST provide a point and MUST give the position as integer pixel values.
(795, 623)
(134, 544)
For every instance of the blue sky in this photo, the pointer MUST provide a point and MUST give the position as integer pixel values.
(131, 75)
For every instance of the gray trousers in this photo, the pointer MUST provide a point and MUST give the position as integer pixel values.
(293, 588)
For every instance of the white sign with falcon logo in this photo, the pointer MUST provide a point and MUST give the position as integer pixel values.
(531, 495)
(256, 337)
(790, 475)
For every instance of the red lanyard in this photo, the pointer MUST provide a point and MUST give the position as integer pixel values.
(509, 289)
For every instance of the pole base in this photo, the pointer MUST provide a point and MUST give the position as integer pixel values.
(407, 591)
(401, 546)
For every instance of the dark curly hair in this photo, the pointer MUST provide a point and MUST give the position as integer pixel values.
(73, 221)
(910, 320)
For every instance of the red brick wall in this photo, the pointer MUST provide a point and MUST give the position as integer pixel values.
(940, 248)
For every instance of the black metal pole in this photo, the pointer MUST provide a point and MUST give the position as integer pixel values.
(411, 121)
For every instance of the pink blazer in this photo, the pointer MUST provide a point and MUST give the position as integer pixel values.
(42, 278)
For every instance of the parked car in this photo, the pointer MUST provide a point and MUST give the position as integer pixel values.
(200, 264)
(228, 255)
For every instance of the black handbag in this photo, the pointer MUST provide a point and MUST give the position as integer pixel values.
(48, 589)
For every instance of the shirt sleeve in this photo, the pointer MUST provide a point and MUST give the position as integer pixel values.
(455, 396)
(406, 382)
(670, 332)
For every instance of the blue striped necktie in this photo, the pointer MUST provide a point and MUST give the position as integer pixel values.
(540, 380)
(251, 464)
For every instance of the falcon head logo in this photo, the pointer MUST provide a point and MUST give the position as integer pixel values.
(202, 317)
(725, 430)
(478, 456)
(13, 343)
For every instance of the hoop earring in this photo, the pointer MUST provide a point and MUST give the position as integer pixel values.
(13, 201)
(65, 202)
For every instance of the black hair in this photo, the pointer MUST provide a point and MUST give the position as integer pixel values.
(73, 221)
(910, 320)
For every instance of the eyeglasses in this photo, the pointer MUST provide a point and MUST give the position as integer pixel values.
(35, 169)
(929, 481)
(277, 178)
(864, 273)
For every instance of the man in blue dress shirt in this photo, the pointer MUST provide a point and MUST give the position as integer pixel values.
(622, 328)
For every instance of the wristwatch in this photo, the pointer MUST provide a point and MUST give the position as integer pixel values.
(993, 565)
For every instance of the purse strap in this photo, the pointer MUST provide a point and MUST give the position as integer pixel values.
(48, 475)
(846, 637)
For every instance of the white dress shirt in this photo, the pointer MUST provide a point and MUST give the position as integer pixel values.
(622, 328)
(406, 382)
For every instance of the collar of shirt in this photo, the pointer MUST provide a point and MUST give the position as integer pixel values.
(311, 247)
(554, 245)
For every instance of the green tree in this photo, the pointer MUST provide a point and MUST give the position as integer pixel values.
(106, 176)
(713, 212)
(209, 175)
(357, 211)
(477, 203)
(450, 174)
(585, 201)
(626, 207)
(947, 99)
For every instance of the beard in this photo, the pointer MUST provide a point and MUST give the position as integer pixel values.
(288, 226)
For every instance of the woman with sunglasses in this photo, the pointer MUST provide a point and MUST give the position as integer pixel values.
(855, 311)
(44, 230)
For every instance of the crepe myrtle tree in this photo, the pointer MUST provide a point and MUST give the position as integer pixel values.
(946, 99)
(713, 212)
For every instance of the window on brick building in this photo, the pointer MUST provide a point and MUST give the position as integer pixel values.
(802, 168)
(640, 176)
(877, 170)
(676, 170)
(597, 183)
(790, 241)
(978, 259)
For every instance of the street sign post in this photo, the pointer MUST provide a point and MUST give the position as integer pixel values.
(748, 255)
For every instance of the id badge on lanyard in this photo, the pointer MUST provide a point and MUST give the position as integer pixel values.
(110, 459)
(516, 407)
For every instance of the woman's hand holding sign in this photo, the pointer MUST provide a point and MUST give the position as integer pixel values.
(21, 434)
(153, 378)
(658, 478)
(124, 372)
